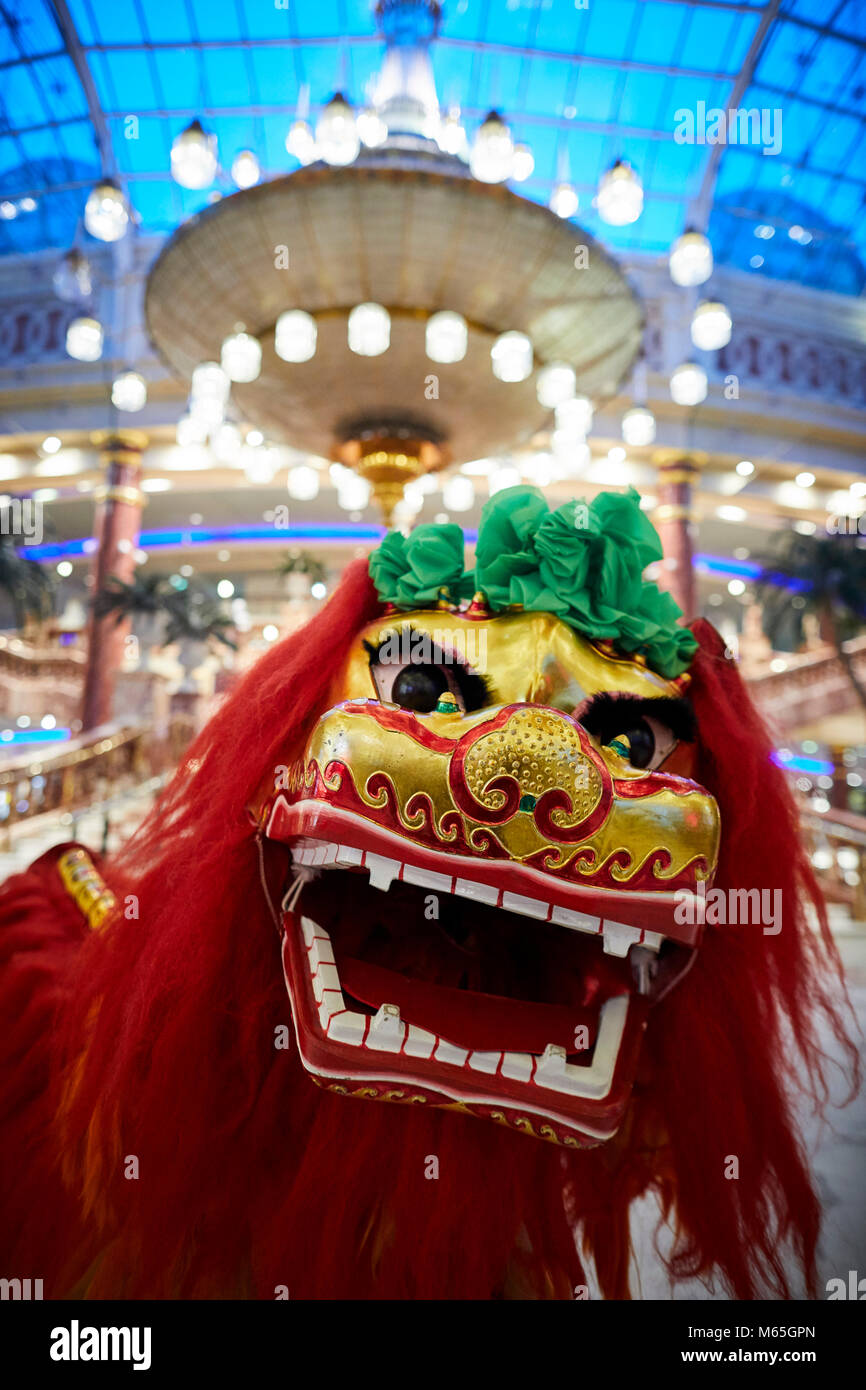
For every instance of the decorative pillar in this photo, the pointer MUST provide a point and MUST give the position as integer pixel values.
(674, 521)
(119, 501)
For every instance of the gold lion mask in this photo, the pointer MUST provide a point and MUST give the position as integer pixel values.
(491, 826)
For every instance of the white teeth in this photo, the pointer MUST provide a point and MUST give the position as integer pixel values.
(618, 937)
(476, 892)
(594, 1081)
(325, 980)
(387, 1016)
(577, 921)
(308, 851)
(447, 1052)
(427, 878)
(382, 871)
(348, 1027)
(419, 1043)
(386, 1030)
(321, 952)
(485, 1061)
(517, 1065)
(550, 1066)
(332, 1002)
(528, 907)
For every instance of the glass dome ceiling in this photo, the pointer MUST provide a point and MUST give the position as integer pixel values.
(94, 86)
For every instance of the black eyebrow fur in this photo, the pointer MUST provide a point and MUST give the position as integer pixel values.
(476, 691)
(608, 714)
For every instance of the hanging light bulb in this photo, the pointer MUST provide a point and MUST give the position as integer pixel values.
(190, 430)
(210, 382)
(337, 138)
(227, 443)
(84, 339)
(688, 384)
(106, 212)
(507, 474)
(691, 259)
(369, 330)
(301, 142)
(564, 200)
(492, 156)
(129, 391)
(413, 498)
(72, 278)
(446, 337)
(574, 417)
(194, 157)
(511, 356)
(295, 336)
(620, 195)
(523, 163)
(241, 357)
(246, 170)
(638, 426)
(303, 483)
(207, 411)
(571, 454)
(452, 136)
(555, 383)
(371, 128)
(539, 469)
(711, 326)
(259, 464)
(458, 494)
(353, 493)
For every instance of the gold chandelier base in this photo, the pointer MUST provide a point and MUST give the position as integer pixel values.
(389, 462)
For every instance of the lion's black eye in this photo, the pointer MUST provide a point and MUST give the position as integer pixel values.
(642, 731)
(419, 687)
(638, 745)
(410, 668)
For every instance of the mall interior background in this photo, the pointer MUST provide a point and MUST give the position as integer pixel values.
(225, 228)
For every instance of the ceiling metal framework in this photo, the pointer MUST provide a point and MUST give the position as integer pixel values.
(581, 86)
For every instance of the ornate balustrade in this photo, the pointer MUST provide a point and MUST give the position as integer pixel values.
(39, 680)
(839, 834)
(88, 770)
(813, 684)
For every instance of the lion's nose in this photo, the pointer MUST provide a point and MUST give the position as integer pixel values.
(532, 760)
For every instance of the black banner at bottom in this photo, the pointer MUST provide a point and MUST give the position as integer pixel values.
(167, 1340)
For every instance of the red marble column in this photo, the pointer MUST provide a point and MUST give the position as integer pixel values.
(119, 502)
(674, 521)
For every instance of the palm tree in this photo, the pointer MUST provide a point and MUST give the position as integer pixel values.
(192, 612)
(28, 585)
(829, 571)
(302, 562)
(196, 614)
(146, 593)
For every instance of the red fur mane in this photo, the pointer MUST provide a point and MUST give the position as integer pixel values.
(156, 1039)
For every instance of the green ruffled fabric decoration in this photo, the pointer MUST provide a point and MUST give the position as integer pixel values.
(410, 571)
(582, 562)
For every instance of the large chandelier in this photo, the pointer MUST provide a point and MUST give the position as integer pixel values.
(392, 340)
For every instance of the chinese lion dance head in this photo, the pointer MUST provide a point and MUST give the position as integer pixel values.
(447, 847)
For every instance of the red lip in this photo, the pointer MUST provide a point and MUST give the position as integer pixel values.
(482, 1022)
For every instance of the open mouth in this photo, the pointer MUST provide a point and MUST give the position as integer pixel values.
(417, 985)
